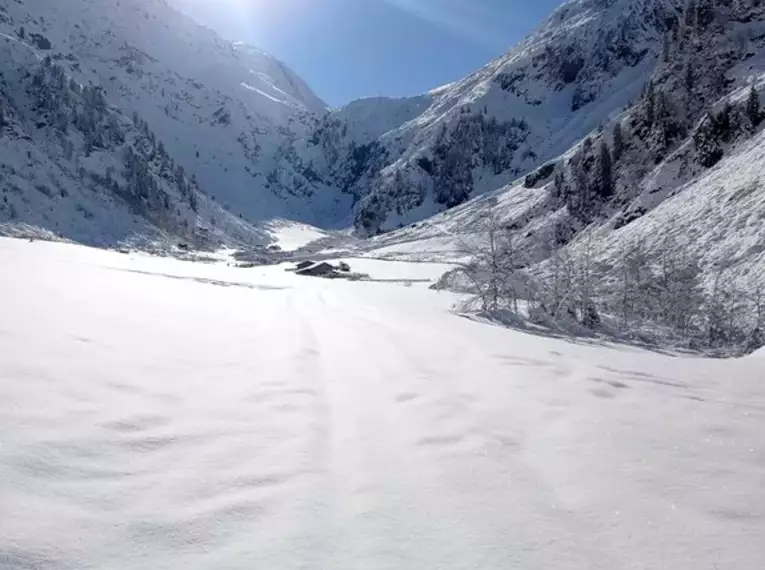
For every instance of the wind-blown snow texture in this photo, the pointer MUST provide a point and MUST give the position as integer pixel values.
(161, 414)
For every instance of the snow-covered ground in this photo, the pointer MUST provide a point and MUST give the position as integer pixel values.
(164, 414)
(290, 236)
(387, 270)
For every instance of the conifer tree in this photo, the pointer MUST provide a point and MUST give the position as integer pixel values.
(618, 141)
(605, 181)
(753, 112)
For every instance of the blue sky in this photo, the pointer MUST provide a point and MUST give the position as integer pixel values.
(347, 49)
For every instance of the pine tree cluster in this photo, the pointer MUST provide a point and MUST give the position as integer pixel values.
(84, 123)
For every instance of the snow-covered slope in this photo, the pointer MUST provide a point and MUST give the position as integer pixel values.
(174, 415)
(365, 120)
(718, 216)
(277, 80)
(73, 166)
(682, 166)
(224, 111)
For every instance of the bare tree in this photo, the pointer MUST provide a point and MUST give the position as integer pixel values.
(678, 288)
(633, 284)
(720, 310)
(569, 284)
(553, 288)
(586, 283)
(493, 267)
(756, 338)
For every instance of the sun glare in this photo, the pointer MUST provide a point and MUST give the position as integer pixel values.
(240, 8)
(251, 18)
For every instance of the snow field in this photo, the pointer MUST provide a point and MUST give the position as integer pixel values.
(167, 414)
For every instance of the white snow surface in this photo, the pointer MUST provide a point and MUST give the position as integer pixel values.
(164, 414)
(290, 236)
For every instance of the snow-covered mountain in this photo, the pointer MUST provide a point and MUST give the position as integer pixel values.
(678, 170)
(655, 139)
(74, 166)
(535, 123)
(586, 62)
(223, 111)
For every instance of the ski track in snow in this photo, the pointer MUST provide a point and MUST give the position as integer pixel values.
(153, 418)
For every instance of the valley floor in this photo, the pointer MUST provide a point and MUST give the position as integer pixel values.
(164, 414)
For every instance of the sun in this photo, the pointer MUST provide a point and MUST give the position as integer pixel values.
(247, 20)
(225, 16)
(238, 5)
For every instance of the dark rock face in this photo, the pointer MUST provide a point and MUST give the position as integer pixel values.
(40, 41)
(541, 174)
(569, 69)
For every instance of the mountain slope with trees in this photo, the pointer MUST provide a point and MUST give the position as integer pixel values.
(587, 62)
(223, 111)
(76, 167)
(657, 216)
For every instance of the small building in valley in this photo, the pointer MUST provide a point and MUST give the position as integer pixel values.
(318, 269)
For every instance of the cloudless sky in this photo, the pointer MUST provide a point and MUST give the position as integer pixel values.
(346, 49)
